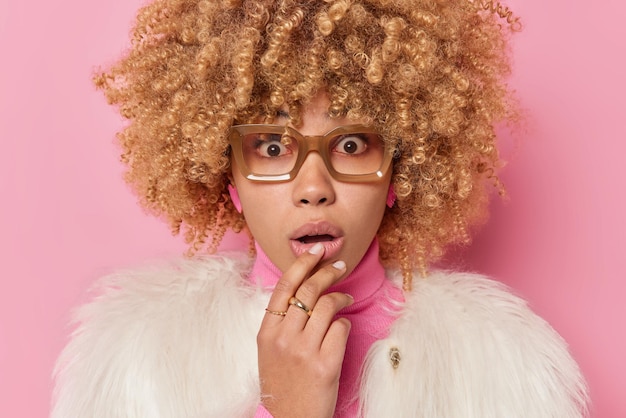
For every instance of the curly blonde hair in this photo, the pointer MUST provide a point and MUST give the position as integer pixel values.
(428, 74)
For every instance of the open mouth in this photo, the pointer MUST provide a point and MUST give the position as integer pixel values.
(309, 234)
(311, 239)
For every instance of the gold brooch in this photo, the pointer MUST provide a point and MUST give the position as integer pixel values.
(394, 357)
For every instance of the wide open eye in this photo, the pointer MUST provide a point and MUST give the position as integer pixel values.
(352, 144)
(270, 146)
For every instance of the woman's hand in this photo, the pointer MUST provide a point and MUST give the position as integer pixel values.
(300, 356)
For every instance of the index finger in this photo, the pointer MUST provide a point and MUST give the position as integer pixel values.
(293, 277)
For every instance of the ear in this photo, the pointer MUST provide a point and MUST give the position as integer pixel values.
(391, 196)
(234, 196)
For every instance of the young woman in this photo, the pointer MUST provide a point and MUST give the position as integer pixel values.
(353, 141)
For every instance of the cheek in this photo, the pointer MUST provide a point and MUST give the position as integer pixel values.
(378, 204)
(246, 191)
(262, 208)
(378, 194)
(258, 196)
(368, 205)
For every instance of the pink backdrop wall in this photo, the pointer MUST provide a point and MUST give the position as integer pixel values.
(66, 217)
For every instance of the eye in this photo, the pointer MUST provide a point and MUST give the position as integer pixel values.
(272, 149)
(351, 144)
(271, 146)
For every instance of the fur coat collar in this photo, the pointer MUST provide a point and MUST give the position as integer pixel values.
(179, 340)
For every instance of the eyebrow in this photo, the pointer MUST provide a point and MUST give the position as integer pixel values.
(284, 114)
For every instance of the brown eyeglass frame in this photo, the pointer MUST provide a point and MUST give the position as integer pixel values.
(306, 144)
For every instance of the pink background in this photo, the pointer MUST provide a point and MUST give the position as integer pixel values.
(67, 217)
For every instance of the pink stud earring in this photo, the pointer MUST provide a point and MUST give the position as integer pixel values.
(234, 196)
(391, 197)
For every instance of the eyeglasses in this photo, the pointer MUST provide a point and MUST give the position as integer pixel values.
(352, 153)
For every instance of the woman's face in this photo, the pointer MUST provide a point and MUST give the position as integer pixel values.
(287, 218)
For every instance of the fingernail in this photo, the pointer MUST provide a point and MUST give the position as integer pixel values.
(339, 265)
(317, 248)
(350, 296)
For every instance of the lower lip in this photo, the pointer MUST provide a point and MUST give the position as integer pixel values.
(331, 248)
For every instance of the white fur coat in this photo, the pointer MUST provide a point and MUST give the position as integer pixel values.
(179, 340)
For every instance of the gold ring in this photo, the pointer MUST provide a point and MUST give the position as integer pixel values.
(297, 302)
(279, 313)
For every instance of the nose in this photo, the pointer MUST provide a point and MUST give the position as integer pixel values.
(313, 185)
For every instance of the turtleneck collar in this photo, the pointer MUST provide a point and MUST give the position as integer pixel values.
(363, 282)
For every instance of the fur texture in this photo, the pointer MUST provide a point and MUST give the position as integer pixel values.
(179, 340)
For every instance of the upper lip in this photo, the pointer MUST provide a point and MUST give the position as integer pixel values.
(316, 228)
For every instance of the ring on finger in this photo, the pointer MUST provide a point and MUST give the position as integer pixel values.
(298, 303)
(279, 313)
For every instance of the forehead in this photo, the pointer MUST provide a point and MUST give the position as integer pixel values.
(318, 105)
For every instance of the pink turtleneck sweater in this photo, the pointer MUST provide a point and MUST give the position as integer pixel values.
(372, 313)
